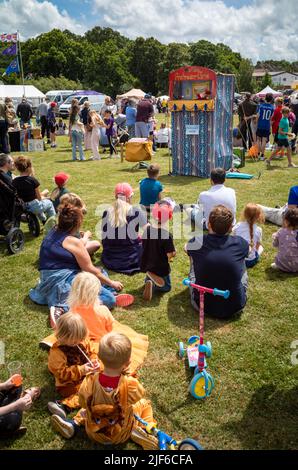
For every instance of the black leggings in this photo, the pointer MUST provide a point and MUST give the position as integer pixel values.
(112, 148)
(11, 421)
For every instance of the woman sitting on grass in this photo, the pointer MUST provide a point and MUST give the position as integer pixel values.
(62, 257)
(13, 401)
(27, 187)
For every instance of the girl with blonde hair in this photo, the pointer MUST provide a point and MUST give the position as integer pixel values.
(121, 223)
(95, 124)
(71, 357)
(249, 230)
(83, 300)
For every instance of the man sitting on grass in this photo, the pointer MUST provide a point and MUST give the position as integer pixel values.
(219, 262)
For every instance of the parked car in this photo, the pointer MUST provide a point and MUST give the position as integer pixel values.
(288, 92)
(96, 101)
(58, 96)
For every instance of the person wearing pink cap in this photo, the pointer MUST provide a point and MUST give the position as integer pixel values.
(122, 246)
(158, 251)
(60, 180)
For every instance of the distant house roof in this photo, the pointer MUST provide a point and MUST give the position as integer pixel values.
(261, 73)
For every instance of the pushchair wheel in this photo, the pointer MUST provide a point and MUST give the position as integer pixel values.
(189, 444)
(15, 240)
(33, 224)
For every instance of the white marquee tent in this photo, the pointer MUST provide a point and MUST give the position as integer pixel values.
(16, 92)
(266, 90)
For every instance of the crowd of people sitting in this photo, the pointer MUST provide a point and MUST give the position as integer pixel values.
(92, 357)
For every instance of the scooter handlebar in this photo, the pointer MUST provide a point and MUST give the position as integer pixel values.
(223, 293)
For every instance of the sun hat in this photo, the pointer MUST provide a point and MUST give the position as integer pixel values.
(61, 178)
(162, 212)
(123, 189)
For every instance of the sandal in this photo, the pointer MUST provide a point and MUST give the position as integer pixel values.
(34, 392)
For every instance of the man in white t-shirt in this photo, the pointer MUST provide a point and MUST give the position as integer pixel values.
(218, 194)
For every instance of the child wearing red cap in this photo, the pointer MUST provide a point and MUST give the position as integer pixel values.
(60, 180)
(158, 250)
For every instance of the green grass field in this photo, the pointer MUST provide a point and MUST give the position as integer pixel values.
(254, 403)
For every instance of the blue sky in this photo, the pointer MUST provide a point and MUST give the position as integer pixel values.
(255, 28)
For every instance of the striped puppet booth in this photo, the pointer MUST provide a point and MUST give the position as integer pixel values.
(201, 105)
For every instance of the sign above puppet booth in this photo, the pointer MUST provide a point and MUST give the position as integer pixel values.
(192, 89)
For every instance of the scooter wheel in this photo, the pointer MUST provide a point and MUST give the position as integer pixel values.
(201, 385)
(189, 444)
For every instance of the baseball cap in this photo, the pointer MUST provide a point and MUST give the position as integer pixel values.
(61, 178)
(52, 104)
(123, 189)
(162, 212)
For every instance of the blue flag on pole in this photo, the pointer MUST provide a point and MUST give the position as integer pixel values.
(11, 50)
(12, 68)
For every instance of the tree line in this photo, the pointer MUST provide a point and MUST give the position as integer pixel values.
(106, 61)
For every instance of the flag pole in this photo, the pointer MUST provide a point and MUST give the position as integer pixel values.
(21, 61)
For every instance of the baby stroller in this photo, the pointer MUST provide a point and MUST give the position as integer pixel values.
(12, 213)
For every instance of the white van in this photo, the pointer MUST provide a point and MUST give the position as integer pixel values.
(58, 96)
(95, 99)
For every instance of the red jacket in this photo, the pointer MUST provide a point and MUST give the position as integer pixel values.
(276, 117)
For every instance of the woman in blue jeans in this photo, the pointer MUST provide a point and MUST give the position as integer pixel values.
(76, 128)
(62, 256)
(27, 187)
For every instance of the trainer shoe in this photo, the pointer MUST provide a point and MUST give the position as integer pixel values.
(55, 314)
(157, 280)
(145, 440)
(56, 409)
(292, 165)
(65, 427)
(147, 294)
(124, 300)
(268, 163)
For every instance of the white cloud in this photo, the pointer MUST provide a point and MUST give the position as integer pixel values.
(263, 29)
(31, 18)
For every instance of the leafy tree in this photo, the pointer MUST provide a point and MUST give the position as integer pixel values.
(146, 54)
(203, 53)
(98, 35)
(244, 77)
(266, 81)
(107, 72)
(176, 55)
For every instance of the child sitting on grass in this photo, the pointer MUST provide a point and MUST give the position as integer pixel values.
(60, 180)
(83, 299)
(71, 357)
(286, 240)
(158, 250)
(110, 398)
(151, 188)
(249, 230)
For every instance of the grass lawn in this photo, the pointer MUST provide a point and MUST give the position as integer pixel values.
(254, 403)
